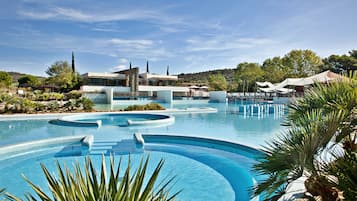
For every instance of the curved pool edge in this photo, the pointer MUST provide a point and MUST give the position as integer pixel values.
(168, 120)
(67, 121)
(77, 120)
(41, 116)
(9, 150)
(142, 138)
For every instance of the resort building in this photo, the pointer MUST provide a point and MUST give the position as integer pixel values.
(104, 79)
(157, 80)
(128, 86)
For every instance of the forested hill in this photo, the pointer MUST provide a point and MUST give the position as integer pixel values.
(202, 77)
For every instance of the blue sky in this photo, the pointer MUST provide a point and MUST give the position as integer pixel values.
(187, 35)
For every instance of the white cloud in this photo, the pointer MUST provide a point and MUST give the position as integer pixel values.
(37, 15)
(119, 67)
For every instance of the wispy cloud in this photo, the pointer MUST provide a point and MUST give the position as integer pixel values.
(71, 14)
(222, 43)
(113, 47)
(131, 43)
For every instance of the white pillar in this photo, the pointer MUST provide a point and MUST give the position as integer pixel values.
(109, 93)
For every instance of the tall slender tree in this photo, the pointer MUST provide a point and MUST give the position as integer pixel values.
(73, 64)
(147, 67)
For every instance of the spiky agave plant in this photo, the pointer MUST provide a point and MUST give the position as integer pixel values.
(2, 192)
(84, 184)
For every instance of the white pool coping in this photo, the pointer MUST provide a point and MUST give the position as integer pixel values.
(170, 119)
(140, 139)
(9, 117)
(86, 140)
(257, 147)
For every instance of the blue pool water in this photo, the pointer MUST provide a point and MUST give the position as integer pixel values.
(203, 173)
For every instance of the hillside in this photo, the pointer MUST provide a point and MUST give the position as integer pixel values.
(16, 75)
(202, 77)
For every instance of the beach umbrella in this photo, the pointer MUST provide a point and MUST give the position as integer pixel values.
(167, 71)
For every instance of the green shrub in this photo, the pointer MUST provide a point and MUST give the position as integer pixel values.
(150, 106)
(73, 95)
(4, 97)
(19, 105)
(48, 96)
(40, 106)
(26, 105)
(29, 81)
(86, 103)
(30, 95)
(37, 92)
(56, 96)
(53, 105)
(70, 105)
(5, 79)
(44, 97)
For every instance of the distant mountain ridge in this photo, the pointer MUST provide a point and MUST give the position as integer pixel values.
(202, 77)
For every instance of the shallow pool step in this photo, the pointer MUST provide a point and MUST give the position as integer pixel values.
(101, 147)
(99, 152)
(119, 147)
(109, 143)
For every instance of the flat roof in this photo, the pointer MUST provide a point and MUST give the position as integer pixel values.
(163, 88)
(158, 77)
(105, 75)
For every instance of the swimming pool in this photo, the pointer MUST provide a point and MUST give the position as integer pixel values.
(187, 160)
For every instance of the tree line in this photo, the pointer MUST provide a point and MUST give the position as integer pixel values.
(296, 63)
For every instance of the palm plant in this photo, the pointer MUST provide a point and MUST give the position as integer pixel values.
(86, 185)
(324, 116)
(345, 170)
